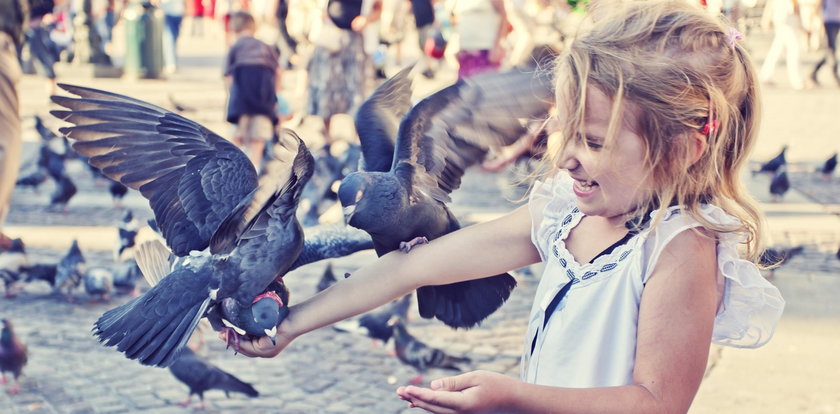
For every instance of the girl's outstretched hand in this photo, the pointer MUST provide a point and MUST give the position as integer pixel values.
(473, 392)
(262, 347)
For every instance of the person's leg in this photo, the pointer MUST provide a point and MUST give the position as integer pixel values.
(832, 30)
(772, 58)
(792, 36)
(820, 63)
(10, 139)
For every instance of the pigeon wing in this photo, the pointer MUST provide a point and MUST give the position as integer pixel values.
(453, 129)
(192, 177)
(378, 120)
(330, 241)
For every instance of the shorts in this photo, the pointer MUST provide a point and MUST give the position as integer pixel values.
(254, 128)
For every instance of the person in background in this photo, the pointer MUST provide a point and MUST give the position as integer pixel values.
(831, 21)
(173, 14)
(252, 76)
(424, 20)
(787, 28)
(42, 50)
(481, 26)
(13, 24)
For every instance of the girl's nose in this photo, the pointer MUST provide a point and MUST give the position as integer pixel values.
(567, 158)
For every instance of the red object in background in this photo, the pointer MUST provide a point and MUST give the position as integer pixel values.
(435, 46)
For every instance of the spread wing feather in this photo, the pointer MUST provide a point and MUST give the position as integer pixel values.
(152, 150)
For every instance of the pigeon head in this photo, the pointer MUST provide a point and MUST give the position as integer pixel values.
(350, 193)
(267, 315)
(369, 198)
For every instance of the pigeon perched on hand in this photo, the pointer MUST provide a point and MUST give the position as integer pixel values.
(414, 157)
(233, 233)
(200, 376)
(412, 351)
(12, 355)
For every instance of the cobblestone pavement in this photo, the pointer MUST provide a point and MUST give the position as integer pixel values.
(332, 372)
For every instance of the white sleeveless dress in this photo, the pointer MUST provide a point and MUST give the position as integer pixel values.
(590, 339)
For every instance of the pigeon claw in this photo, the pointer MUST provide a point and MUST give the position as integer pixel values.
(406, 247)
(231, 338)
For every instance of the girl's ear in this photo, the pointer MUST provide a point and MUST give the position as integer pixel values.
(697, 146)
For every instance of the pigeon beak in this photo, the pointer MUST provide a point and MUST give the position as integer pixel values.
(348, 213)
(272, 334)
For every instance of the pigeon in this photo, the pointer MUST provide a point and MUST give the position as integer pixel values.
(12, 355)
(65, 189)
(412, 351)
(33, 180)
(828, 167)
(327, 279)
(377, 324)
(118, 191)
(99, 282)
(328, 169)
(70, 271)
(12, 261)
(40, 271)
(414, 157)
(234, 235)
(127, 230)
(200, 376)
(773, 258)
(45, 133)
(779, 185)
(773, 165)
(49, 164)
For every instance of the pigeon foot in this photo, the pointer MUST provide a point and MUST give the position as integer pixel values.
(406, 247)
(231, 338)
(15, 389)
(186, 403)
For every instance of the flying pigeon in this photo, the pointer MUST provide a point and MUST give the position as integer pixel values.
(414, 157)
(773, 164)
(234, 235)
(779, 185)
(12, 261)
(200, 376)
(828, 167)
(412, 351)
(70, 271)
(12, 355)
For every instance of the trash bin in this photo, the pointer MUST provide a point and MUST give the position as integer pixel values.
(144, 40)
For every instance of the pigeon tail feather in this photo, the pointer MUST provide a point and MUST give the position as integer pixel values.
(465, 304)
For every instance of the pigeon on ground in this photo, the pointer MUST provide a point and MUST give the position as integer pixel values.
(327, 278)
(378, 323)
(414, 157)
(773, 164)
(99, 283)
(200, 376)
(39, 271)
(773, 258)
(33, 179)
(412, 351)
(207, 200)
(828, 167)
(118, 191)
(11, 262)
(65, 189)
(779, 185)
(70, 271)
(126, 272)
(12, 355)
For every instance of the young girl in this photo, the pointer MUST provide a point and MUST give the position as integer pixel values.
(658, 109)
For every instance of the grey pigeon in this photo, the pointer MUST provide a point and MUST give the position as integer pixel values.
(99, 282)
(378, 323)
(65, 189)
(774, 163)
(413, 158)
(70, 271)
(828, 167)
(12, 261)
(779, 185)
(40, 271)
(412, 351)
(201, 376)
(12, 355)
(206, 197)
(775, 257)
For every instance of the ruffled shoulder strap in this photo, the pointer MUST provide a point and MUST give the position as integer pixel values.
(750, 307)
(548, 202)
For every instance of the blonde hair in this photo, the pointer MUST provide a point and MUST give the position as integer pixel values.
(241, 21)
(680, 69)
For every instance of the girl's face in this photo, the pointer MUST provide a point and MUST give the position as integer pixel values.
(610, 177)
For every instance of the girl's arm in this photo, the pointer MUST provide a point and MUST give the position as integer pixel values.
(676, 316)
(476, 251)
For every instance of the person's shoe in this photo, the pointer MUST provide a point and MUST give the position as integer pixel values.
(428, 73)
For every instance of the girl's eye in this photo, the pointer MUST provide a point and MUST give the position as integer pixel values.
(591, 142)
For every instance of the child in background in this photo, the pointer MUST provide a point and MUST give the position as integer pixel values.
(638, 221)
(252, 77)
